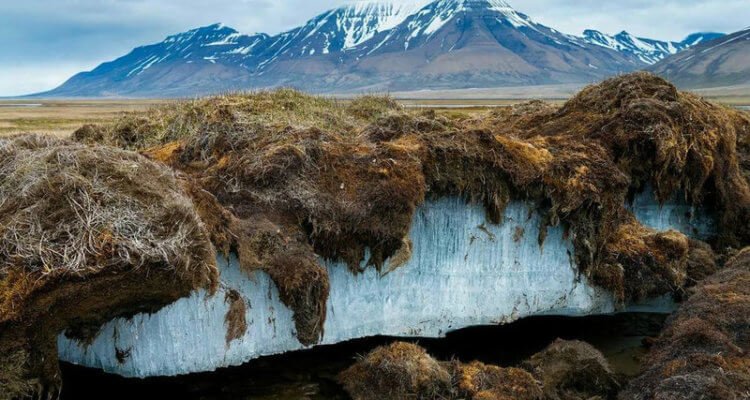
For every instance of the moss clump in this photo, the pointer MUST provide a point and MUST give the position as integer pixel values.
(703, 351)
(675, 141)
(565, 370)
(395, 372)
(573, 370)
(406, 371)
(370, 107)
(86, 234)
(480, 381)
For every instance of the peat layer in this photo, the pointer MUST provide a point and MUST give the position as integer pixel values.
(704, 351)
(282, 178)
(86, 234)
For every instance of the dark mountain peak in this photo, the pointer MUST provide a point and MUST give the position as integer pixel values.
(700, 37)
(624, 35)
(202, 33)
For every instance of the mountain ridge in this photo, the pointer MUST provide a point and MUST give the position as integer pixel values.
(721, 62)
(373, 46)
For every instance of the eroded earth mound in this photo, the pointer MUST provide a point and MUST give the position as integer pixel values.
(304, 176)
(86, 234)
(704, 352)
(281, 178)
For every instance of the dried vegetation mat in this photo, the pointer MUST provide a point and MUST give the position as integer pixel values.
(87, 233)
(563, 371)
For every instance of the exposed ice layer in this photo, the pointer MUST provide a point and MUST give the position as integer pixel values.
(463, 272)
(675, 214)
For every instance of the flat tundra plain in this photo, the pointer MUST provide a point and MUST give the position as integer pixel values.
(62, 117)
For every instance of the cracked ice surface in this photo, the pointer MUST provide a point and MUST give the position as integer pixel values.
(463, 272)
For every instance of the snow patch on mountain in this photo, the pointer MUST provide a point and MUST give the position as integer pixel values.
(364, 20)
(433, 17)
(649, 51)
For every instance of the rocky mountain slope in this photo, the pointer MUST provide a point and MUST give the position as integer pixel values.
(721, 62)
(443, 44)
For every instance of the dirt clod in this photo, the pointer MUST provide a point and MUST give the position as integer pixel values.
(573, 370)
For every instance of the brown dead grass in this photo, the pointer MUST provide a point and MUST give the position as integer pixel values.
(235, 319)
(479, 381)
(87, 234)
(573, 370)
(61, 118)
(405, 371)
(395, 372)
(703, 351)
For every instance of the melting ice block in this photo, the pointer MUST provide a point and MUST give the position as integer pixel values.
(678, 215)
(463, 272)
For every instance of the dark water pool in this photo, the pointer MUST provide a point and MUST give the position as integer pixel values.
(312, 374)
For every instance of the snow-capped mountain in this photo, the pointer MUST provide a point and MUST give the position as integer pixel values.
(211, 44)
(341, 29)
(480, 43)
(211, 58)
(423, 25)
(649, 51)
(720, 62)
(374, 46)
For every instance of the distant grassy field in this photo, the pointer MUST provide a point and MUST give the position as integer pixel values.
(61, 118)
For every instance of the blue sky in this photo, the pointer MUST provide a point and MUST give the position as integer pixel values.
(43, 42)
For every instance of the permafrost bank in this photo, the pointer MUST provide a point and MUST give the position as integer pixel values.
(463, 272)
